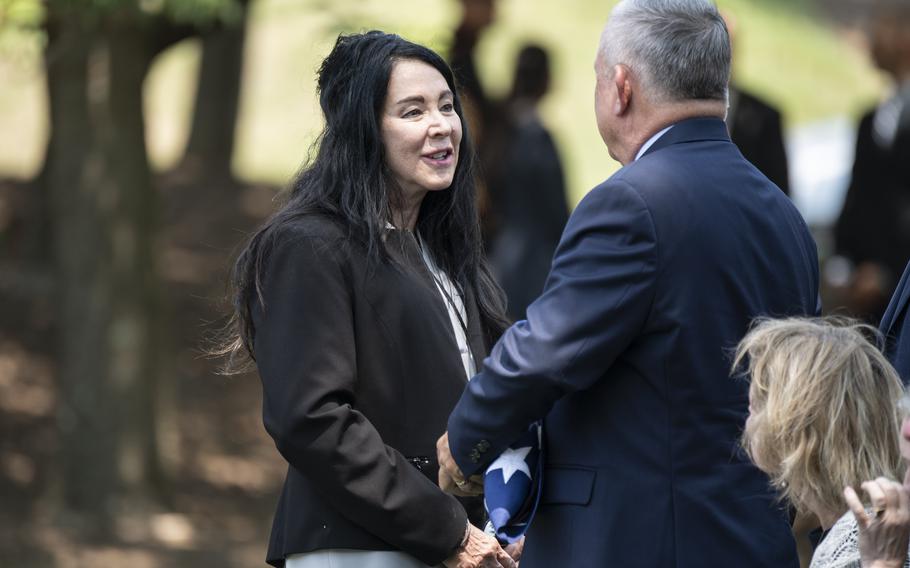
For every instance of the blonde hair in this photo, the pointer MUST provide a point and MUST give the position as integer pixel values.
(824, 410)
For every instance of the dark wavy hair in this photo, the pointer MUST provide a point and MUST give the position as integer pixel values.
(348, 181)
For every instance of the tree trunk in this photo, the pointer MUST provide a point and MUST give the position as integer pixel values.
(78, 193)
(211, 143)
(110, 298)
(137, 326)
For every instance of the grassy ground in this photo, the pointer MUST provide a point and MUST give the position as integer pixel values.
(783, 52)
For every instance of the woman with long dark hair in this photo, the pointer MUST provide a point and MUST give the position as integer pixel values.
(365, 303)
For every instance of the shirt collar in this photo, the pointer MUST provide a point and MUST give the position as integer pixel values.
(651, 141)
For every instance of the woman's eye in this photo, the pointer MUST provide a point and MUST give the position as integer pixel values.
(448, 107)
(411, 113)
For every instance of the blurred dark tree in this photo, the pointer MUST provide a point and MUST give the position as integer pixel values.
(114, 365)
(211, 142)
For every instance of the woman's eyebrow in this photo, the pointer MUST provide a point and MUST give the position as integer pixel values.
(420, 99)
(411, 99)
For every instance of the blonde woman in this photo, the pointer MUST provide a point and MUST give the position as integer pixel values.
(824, 416)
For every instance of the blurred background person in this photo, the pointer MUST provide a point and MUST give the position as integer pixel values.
(476, 16)
(823, 415)
(756, 127)
(527, 187)
(873, 229)
(480, 109)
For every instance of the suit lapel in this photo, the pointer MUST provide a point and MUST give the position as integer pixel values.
(403, 246)
(476, 339)
(898, 303)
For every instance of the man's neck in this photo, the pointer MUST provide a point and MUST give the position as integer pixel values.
(660, 117)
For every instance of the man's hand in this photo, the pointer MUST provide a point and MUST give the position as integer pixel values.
(480, 551)
(451, 480)
(884, 535)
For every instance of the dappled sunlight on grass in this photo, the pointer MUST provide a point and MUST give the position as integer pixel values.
(17, 467)
(171, 530)
(108, 556)
(26, 386)
(233, 472)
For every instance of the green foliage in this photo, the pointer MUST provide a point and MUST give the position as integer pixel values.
(21, 39)
(20, 13)
(200, 11)
(30, 13)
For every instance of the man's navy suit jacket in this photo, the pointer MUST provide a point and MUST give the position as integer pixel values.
(896, 328)
(659, 273)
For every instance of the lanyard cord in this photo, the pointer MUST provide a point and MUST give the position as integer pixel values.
(442, 287)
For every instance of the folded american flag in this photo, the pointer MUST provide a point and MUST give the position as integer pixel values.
(512, 486)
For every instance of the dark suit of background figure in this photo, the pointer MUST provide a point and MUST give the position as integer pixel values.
(461, 58)
(529, 207)
(360, 368)
(874, 224)
(484, 115)
(755, 127)
(626, 354)
(896, 328)
(527, 187)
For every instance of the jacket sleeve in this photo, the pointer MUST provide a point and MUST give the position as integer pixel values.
(305, 350)
(596, 301)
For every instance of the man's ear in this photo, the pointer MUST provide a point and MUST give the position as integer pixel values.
(622, 82)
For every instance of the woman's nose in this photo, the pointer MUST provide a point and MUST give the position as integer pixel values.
(440, 125)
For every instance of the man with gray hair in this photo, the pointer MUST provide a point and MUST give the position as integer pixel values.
(625, 355)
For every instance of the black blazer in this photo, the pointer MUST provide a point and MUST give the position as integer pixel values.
(360, 368)
(529, 209)
(755, 127)
(874, 224)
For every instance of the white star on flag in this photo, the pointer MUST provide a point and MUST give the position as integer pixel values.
(511, 461)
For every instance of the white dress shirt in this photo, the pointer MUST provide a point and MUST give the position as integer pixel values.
(650, 142)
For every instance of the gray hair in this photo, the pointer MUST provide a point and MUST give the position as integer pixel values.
(679, 49)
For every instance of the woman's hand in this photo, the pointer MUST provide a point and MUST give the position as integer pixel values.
(885, 534)
(480, 551)
(515, 550)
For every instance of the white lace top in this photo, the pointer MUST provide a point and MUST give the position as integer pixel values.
(840, 548)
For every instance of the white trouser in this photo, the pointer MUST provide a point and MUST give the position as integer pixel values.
(337, 558)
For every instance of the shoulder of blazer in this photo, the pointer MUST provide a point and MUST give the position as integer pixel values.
(324, 234)
(313, 225)
(314, 241)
